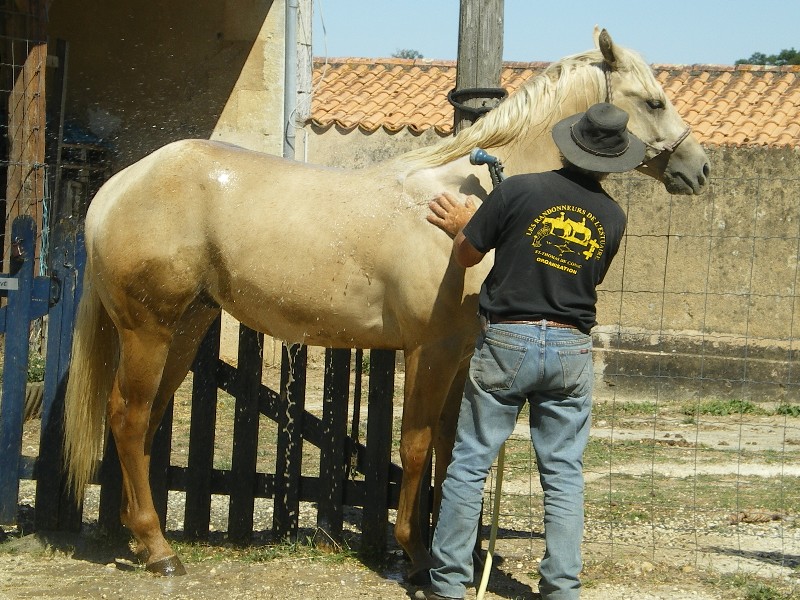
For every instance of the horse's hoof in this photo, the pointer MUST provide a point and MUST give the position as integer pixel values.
(142, 556)
(168, 567)
(420, 577)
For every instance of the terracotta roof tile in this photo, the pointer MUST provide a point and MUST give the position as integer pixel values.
(745, 105)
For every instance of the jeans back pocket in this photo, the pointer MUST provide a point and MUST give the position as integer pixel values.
(574, 363)
(496, 363)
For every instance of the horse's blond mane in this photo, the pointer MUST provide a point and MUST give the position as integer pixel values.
(531, 109)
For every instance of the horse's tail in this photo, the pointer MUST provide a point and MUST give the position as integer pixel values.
(94, 359)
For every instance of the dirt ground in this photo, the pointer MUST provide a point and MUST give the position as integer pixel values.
(647, 560)
(687, 555)
(73, 567)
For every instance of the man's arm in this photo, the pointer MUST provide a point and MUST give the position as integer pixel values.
(449, 215)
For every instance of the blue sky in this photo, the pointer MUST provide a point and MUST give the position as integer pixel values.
(664, 32)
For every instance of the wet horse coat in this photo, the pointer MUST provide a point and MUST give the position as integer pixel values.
(321, 256)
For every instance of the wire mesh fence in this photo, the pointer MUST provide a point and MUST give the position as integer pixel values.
(693, 459)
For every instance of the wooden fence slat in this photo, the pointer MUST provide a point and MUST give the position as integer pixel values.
(15, 368)
(286, 512)
(245, 436)
(110, 489)
(159, 464)
(202, 429)
(379, 451)
(56, 507)
(333, 461)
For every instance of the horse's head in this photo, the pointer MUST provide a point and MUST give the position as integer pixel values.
(518, 130)
(674, 156)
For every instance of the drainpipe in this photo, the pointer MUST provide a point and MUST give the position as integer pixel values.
(290, 78)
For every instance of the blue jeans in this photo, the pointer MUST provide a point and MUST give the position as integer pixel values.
(552, 369)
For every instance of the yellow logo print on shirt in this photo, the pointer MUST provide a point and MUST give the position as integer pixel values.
(562, 234)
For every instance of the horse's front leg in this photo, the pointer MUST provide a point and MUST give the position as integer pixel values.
(129, 415)
(430, 370)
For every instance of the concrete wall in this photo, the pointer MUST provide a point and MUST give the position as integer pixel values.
(702, 298)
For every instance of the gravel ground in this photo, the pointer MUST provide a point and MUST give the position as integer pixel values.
(691, 555)
(87, 565)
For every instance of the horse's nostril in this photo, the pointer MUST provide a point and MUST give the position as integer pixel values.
(706, 169)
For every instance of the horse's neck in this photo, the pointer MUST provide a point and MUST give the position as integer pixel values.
(536, 156)
(537, 152)
(532, 148)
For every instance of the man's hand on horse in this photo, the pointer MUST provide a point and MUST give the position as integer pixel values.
(449, 214)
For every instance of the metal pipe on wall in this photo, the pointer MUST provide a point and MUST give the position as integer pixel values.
(290, 78)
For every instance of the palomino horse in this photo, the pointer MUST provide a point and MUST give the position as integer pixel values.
(326, 257)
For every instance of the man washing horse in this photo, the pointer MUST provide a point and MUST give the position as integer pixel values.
(537, 309)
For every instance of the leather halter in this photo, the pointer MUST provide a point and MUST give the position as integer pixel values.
(657, 150)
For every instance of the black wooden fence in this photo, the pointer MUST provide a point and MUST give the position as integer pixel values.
(350, 473)
(333, 488)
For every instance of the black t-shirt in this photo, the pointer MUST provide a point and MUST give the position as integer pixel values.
(554, 236)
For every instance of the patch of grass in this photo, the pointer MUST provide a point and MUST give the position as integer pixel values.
(790, 410)
(35, 368)
(605, 410)
(197, 552)
(721, 408)
(752, 588)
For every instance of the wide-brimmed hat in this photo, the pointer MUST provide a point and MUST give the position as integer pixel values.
(598, 140)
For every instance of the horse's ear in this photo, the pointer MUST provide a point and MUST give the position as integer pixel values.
(603, 41)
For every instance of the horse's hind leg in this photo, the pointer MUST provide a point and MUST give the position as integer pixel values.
(186, 340)
(143, 354)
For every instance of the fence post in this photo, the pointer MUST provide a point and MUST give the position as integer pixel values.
(245, 436)
(197, 517)
(379, 451)
(285, 518)
(56, 507)
(110, 489)
(159, 464)
(15, 368)
(332, 461)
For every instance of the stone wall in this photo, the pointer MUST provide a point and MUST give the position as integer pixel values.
(145, 74)
(701, 300)
(703, 296)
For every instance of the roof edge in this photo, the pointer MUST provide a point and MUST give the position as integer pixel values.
(429, 62)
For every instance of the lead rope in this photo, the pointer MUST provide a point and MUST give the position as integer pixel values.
(487, 564)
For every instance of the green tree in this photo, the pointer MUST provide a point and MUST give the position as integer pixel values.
(784, 57)
(407, 53)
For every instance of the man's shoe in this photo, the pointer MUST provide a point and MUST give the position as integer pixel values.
(429, 595)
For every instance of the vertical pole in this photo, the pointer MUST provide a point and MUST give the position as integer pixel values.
(245, 436)
(480, 65)
(333, 460)
(480, 54)
(379, 452)
(15, 369)
(197, 517)
(290, 78)
(289, 461)
(56, 508)
(160, 462)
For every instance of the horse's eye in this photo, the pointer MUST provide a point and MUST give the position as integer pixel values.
(655, 104)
